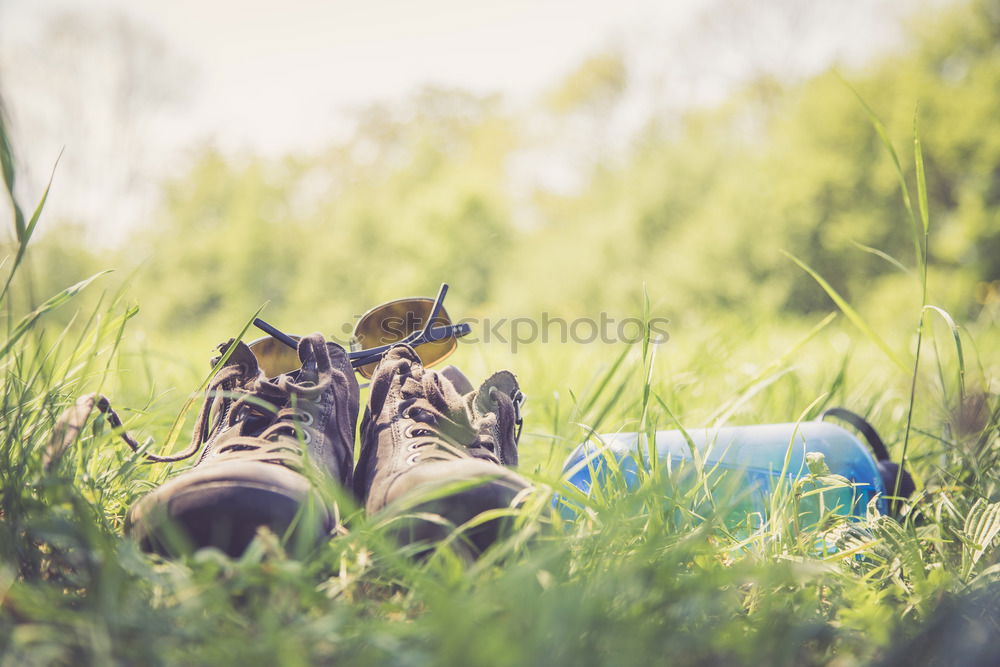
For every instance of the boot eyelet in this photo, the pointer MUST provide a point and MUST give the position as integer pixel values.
(306, 418)
(306, 437)
(412, 458)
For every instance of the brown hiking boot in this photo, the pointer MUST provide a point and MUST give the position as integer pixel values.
(430, 444)
(263, 441)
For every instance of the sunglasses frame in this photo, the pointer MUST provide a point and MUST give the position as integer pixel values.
(414, 339)
(435, 310)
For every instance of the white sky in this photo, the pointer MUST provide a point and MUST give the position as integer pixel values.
(272, 73)
(270, 76)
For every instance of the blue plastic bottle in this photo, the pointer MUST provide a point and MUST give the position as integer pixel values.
(755, 458)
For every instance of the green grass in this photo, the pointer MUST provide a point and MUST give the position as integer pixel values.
(651, 575)
(640, 578)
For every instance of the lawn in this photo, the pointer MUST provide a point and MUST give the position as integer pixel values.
(651, 573)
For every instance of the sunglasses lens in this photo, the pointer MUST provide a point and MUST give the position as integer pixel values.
(394, 321)
(274, 356)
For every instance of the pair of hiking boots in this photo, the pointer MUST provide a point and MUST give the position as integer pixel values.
(433, 450)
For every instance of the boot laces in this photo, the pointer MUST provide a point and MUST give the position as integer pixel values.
(274, 437)
(232, 399)
(438, 428)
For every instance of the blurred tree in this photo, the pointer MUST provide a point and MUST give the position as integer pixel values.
(595, 85)
(415, 198)
(702, 214)
(98, 86)
(698, 211)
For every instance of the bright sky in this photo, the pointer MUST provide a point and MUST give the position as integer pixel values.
(271, 73)
(273, 76)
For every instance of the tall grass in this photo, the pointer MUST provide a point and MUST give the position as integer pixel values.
(648, 573)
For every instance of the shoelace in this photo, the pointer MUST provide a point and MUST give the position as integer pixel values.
(231, 397)
(440, 430)
(290, 422)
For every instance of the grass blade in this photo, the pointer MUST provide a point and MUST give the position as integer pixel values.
(887, 143)
(602, 385)
(851, 314)
(884, 255)
(982, 525)
(918, 159)
(7, 163)
(958, 347)
(29, 320)
(175, 428)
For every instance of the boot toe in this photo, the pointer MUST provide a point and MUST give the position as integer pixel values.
(223, 505)
(453, 493)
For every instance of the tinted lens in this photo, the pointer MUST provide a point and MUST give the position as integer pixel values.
(392, 322)
(274, 356)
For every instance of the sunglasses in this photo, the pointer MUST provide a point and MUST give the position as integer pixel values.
(420, 322)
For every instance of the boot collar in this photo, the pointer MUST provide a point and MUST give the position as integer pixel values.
(242, 356)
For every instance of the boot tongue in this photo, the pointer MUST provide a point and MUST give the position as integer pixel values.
(242, 356)
(310, 348)
(503, 381)
(457, 379)
(501, 419)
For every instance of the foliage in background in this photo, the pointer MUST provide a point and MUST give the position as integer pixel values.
(423, 192)
(699, 210)
(700, 214)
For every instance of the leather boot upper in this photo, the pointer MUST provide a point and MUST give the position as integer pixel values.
(255, 418)
(417, 417)
(257, 436)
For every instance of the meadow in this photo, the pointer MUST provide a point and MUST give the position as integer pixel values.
(845, 254)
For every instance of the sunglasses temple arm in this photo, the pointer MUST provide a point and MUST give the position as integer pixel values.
(365, 357)
(361, 357)
(420, 336)
(438, 303)
(270, 330)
